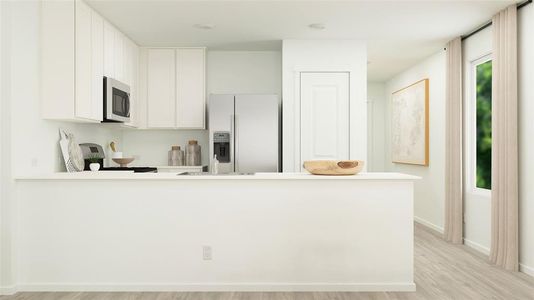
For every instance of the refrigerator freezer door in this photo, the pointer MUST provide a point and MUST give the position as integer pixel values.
(221, 120)
(256, 133)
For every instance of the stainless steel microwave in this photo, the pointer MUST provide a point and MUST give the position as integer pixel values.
(116, 101)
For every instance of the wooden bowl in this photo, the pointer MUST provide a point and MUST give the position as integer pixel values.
(123, 162)
(333, 167)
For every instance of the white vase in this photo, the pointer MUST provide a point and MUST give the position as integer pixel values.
(94, 167)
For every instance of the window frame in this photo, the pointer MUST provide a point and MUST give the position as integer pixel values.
(471, 128)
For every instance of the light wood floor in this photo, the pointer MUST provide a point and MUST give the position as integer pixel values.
(442, 271)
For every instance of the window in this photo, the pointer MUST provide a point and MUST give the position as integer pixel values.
(482, 99)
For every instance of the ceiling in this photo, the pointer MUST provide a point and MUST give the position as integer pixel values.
(399, 33)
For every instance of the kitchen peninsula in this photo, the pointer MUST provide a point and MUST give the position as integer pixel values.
(267, 231)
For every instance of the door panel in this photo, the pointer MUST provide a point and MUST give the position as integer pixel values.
(190, 88)
(324, 109)
(109, 50)
(256, 133)
(83, 61)
(97, 45)
(118, 56)
(161, 88)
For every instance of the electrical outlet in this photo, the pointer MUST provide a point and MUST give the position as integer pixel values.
(34, 162)
(206, 252)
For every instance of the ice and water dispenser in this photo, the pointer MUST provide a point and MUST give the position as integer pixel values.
(221, 146)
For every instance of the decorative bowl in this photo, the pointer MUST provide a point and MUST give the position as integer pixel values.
(123, 162)
(333, 167)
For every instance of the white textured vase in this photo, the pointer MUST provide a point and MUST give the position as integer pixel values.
(94, 167)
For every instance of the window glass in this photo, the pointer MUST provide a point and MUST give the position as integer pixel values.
(483, 125)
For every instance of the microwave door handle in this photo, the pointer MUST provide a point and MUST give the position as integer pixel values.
(127, 105)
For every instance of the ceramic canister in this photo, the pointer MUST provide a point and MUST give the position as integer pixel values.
(192, 154)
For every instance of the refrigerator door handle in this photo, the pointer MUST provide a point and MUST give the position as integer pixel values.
(236, 142)
(232, 142)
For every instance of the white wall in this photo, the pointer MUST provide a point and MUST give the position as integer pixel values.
(29, 144)
(228, 72)
(244, 72)
(150, 147)
(323, 55)
(7, 275)
(526, 142)
(430, 190)
(477, 204)
(376, 119)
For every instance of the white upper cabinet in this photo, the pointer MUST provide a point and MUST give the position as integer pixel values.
(121, 62)
(79, 48)
(118, 55)
(176, 88)
(109, 50)
(190, 87)
(97, 57)
(161, 95)
(83, 59)
(71, 61)
(131, 73)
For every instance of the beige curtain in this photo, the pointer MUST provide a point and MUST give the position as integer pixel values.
(504, 250)
(453, 136)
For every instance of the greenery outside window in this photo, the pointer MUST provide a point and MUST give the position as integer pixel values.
(483, 77)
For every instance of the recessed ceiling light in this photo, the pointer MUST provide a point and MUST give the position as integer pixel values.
(204, 26)
(317, 26)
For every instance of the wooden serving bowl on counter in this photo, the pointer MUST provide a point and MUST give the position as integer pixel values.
(333, 167)
(123, 162)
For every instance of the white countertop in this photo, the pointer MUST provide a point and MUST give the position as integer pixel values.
(128, 175)
(180, 167)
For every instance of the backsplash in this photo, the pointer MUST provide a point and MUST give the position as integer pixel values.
(150, 147)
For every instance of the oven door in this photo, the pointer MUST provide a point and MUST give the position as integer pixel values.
(116, 101)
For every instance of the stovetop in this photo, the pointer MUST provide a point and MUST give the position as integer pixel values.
(135, 169)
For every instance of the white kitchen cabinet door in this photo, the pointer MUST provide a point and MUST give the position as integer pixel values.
(83, 102)
(324, 110)
(190, 87)
(118, 56)
(58, 60)
(161, 88)
(97, 62)
(127, 67)
(131, 61)
(109, 50)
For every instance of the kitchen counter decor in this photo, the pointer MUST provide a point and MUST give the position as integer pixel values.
(333, 167)
(72, 153)
(123, 162)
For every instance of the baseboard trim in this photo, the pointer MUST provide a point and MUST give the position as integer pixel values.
(429, 224)
(8, 290)
(221, 287)
(526, 269)
(476, 246)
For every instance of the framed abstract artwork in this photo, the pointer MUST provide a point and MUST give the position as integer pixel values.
(409, 124)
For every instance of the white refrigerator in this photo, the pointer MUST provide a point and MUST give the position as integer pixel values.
(244, 132)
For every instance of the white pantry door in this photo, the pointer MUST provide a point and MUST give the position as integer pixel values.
(324, 116)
